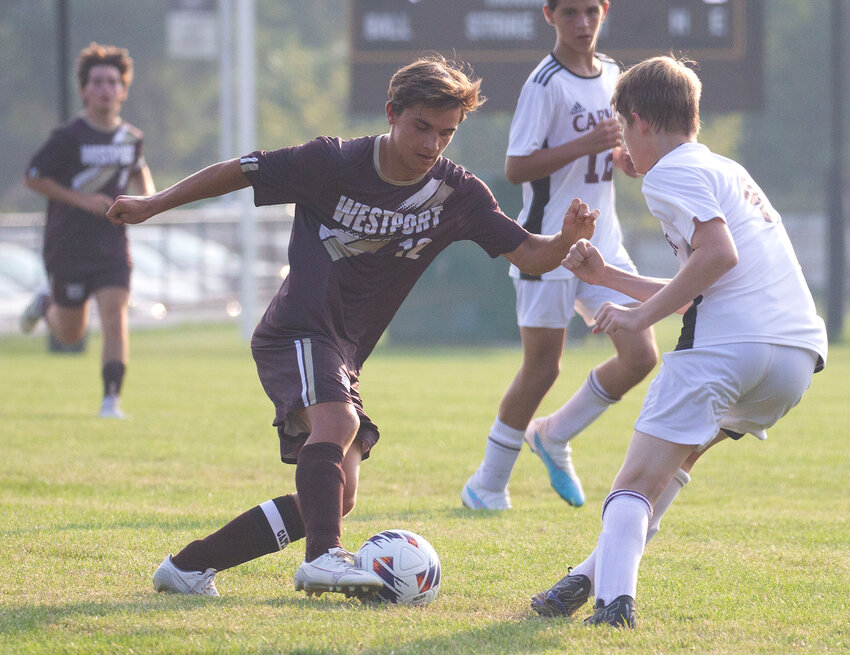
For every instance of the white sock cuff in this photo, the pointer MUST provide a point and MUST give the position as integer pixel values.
(628, 495)
(506, 436)
(275, 523)
(681, 476)
(598, 390)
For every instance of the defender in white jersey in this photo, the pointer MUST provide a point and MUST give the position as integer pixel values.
(564, 143)
(751, 338)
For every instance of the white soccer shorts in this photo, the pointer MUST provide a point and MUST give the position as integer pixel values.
(552, 303)
(745, 387)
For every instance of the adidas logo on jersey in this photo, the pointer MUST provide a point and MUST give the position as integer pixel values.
(577, 109)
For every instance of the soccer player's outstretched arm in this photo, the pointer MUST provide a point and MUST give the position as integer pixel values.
(714, 253)
(212, 181)
(588, 265)
(541, 253)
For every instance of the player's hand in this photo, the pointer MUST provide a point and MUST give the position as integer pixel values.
(579, 221)
(130, 210)
(623, 161)
(612, 318)
(585, 262)
(605, 136)
(94, 203)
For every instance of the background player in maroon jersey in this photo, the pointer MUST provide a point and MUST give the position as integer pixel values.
(84, 165)
(370, 215)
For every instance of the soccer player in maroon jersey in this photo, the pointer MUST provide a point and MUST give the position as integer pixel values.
(85, 164)
(370, 215)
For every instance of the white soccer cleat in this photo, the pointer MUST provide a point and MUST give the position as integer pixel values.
(34, 312)
(474, 496)
(336, 570)
(558, 461)
(173, 580)
(111, 408)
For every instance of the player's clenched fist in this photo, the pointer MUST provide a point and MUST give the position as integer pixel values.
(612, 317)
(579, 221)
(585, 262)
(129, 210)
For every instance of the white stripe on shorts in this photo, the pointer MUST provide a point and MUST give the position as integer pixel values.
(275, 523)
(304, 350)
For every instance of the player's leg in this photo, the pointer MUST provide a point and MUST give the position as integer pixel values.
(66, 311)
(67, 324)
(36, 309)
(659, 508)
(543, 308)
(319, 476)
(320, 481)
(699, 397)
(264, 529)
(113, 303)
(293, 374)
(635, 356)
(647, 471)
(542, 348)
(574, 589)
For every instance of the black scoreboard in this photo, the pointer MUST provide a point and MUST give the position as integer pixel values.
(504, 39)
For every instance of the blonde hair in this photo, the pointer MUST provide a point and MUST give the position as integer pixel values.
(436, 83)
(664, 91)
(104, 55)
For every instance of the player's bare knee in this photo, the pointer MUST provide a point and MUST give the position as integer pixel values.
(647, 359)
(349, 423)
(348, 502)
(68, 335)
(542, 373)
(640, 360)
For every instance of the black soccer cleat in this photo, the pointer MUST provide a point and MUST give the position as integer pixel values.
(564, 597)
(619, 613)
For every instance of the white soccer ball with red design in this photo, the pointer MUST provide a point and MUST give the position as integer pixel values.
(406, 562)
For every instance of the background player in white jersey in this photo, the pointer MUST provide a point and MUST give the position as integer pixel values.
(564, 143)
(750, 342)
(370, 215)
(84, 165)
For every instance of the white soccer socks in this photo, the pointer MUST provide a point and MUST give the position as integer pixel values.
(680, 479)
(625, 517)
(503, 447)
(585, 406)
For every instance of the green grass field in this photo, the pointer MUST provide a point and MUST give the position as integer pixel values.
(754, 557)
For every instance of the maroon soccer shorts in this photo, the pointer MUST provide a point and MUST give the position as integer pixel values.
(301, 373)
(71, 287)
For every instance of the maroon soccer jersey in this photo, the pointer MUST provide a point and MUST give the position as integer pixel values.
(360, 242)
(89, 160)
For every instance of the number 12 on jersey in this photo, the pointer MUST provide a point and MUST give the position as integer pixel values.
(592, 177)
(411, 250)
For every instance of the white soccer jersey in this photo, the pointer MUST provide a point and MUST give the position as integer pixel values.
(764, 298)
(556, 106)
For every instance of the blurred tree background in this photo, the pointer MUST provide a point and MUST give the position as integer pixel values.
(302, 91)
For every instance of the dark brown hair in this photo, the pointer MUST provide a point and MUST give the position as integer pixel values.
(436, 83)
(104, 55)
(553, 4)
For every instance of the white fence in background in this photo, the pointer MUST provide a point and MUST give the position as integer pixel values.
(186, 263)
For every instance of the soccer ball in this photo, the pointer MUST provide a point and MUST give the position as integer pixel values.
(407, 564)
